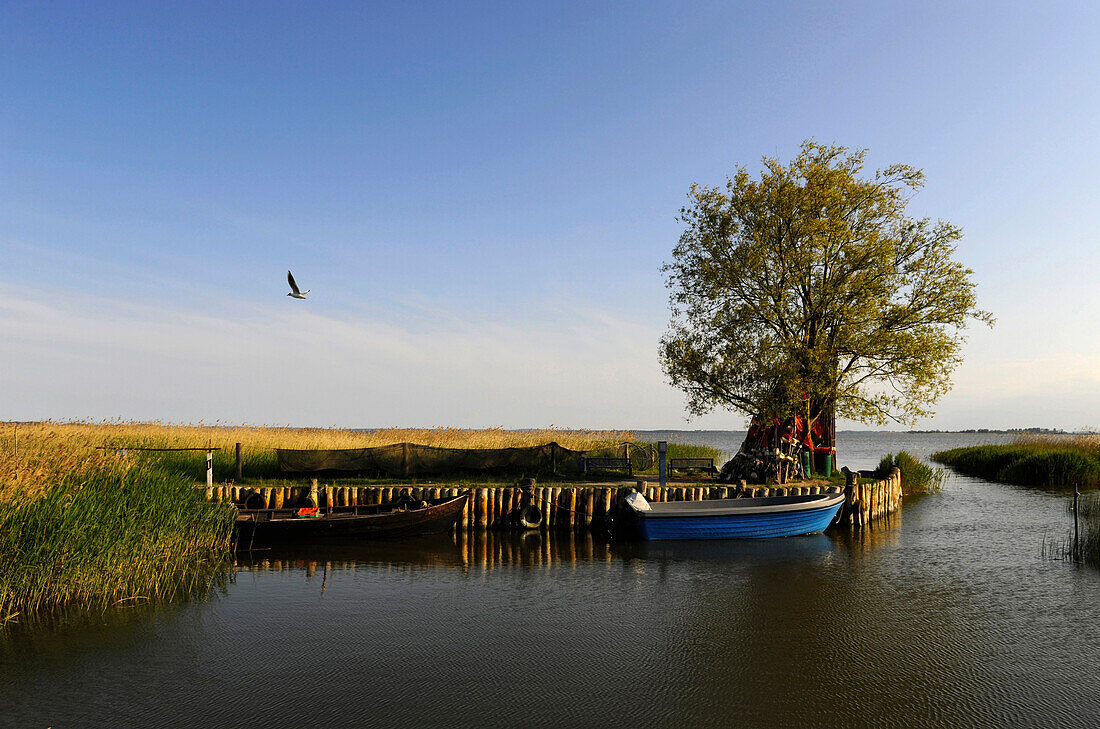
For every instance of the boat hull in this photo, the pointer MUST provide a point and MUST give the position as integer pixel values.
(738, 518)
(262, 526)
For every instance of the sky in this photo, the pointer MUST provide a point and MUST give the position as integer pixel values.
(481, 196)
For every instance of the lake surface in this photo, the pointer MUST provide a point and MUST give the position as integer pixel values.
(948, 616)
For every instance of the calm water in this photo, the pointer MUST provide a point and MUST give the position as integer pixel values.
(946, 617)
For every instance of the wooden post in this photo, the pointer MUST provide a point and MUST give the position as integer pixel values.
(1076, 496)
(553, 511)
(545, 501)
(239, 462)
(482, 505)
(209, 469)
(662, 464)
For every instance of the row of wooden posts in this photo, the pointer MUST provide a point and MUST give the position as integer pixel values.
(560, 508)
(867, 502)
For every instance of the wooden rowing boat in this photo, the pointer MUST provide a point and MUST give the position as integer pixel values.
(776, 516)
(376, 521)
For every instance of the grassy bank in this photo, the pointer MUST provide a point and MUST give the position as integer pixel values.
(916, 477)
(80, 527)
(1049, 461)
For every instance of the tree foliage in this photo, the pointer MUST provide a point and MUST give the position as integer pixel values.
(809, 287)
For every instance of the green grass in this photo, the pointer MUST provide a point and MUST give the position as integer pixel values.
(916, 477)
(1047, 464)
(116, 532)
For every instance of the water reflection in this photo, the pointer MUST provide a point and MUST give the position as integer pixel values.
(477, 550)
(941, 617)
(492, 550)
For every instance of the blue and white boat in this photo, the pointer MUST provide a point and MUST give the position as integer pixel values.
(773, 516)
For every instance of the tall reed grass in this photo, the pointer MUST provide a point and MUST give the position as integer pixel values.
(259, 442)
(916, 477)
(1053, 461)
(87, 528)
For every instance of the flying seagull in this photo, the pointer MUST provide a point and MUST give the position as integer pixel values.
(294, 292)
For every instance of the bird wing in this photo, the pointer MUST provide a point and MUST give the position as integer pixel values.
(290, 280)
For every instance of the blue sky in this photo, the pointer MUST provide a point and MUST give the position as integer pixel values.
(481, 196)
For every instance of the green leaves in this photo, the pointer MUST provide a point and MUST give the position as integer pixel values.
(811, 286)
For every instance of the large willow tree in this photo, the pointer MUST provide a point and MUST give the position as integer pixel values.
(809, 288)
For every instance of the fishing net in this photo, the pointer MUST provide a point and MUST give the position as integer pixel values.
(410, 459)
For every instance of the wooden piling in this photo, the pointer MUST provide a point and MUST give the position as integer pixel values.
(545, 495)
(481, 520)
(552, 499)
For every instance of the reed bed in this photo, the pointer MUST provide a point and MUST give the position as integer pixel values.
(1052, 461)
(89, 529)
(916, 477)
(259, 442)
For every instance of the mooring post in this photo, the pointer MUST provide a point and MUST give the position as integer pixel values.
(1076, 495)
(239, 462)
(209, 469)
(662, 465)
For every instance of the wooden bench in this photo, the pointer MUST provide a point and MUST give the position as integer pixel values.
(592, 463)
(692, 464)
